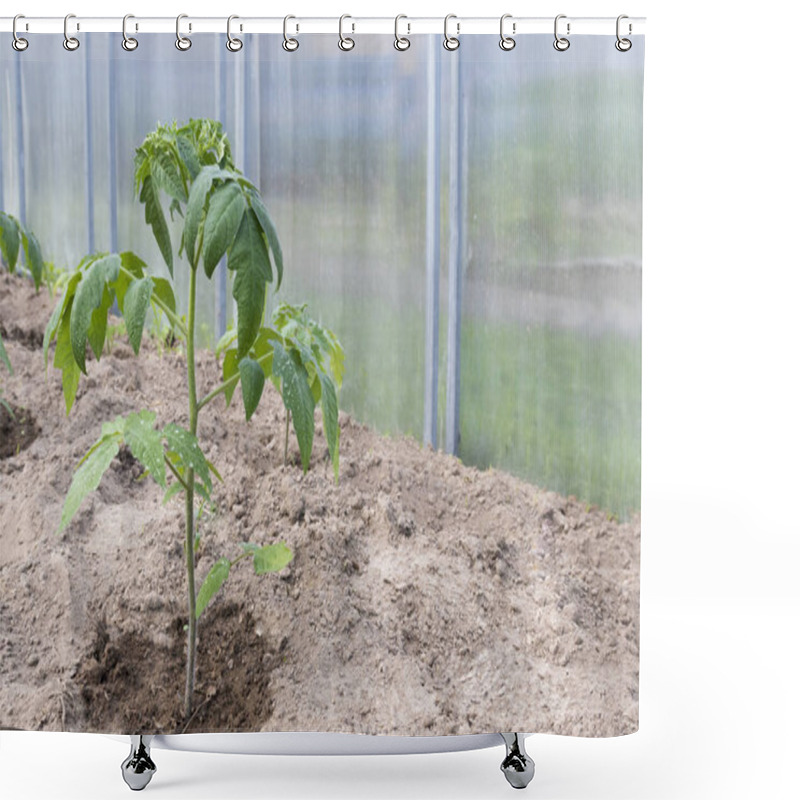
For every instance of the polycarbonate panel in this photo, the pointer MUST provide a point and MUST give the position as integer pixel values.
(551, 327)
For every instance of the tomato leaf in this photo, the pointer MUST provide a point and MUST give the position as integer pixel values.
(137, 300)
(145, 444)
(272, 558)
(252, 377)
(248, 258)
(154, 217)
(87, 477)
(297, 397)
(217, 575)
(225, 210)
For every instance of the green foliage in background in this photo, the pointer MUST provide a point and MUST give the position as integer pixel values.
(305, 362)
(17, 243)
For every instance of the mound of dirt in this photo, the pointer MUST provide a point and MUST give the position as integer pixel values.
(425, 597)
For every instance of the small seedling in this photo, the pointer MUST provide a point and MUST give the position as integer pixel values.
(13, 235)
(306, 367)
(222, 213)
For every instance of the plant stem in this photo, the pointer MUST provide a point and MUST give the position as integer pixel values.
(192, 635)
(173, 317)
(176, 473)
(286, 440)
(228, 383)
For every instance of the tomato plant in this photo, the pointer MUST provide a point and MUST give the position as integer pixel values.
(222, 213)
(13, 236)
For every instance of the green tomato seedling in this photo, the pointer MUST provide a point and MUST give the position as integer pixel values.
(306, 364)
(13, 235)
(222, 213)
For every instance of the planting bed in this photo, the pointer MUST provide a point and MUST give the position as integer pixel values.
(425, 597)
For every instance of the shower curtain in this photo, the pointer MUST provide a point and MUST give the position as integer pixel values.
(449, 260)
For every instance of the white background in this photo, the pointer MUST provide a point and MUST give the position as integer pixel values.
(720, 603)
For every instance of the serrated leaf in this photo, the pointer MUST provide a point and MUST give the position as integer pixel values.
(33, 257)
(131, 267)
(297, 398)
(137, 299)
(188, 155)
(248, 258)
(64, 359)
(217, 575)
(214, 471)
(174, 488)
(195, 209)
(166, 174)
(272, 558)
(9, 240)
(252, 377)
(88, 296)
(225, 210)
(264, 219)
(4, 357)
(230, 369)
(87, 477)
(55, 317)
(154, 217)
(162, 289)
(99, 323)
(145, 444)
(131, 262)
(330, 421)
(185, 445)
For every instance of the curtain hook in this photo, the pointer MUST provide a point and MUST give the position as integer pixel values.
(233, 44)
(345, 42)
(623, 45)
(451, 42)
(128, 42)
(183, 43)
(401, 42)
(289, 44)
(507, 42)
(561, 43)
(18, 43)
(70, 42)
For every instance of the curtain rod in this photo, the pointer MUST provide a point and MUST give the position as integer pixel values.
(408, 26)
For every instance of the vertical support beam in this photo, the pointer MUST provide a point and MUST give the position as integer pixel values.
(456, 251)
(87, 86)
(221, 277)
(432, 244)
(112, 144)
(20, 137)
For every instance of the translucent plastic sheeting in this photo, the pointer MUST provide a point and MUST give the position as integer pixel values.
(551, 325)
(549, 223)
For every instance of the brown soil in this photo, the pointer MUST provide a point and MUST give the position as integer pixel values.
(425, 597)
(18, 429)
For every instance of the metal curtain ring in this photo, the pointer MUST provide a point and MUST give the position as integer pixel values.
(233, 44)
(289, 44)
(623, 45)
(128, 42)
(70, 42)
(183, 43)
(345, 42)
(507, 42)
(561, 43)
(18, 43)
(401, 42)
(451, 42)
